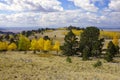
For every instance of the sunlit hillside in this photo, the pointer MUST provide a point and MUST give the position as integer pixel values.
(20, 66)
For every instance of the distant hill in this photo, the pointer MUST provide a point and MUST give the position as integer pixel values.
(2, 29)
(1, 32)
(17, 29)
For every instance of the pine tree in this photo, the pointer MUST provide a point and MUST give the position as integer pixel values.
(86, 52)
(90, 38)
(69, 48)
(116, 43)
(110, 53)
(97, 47)
(108, 57)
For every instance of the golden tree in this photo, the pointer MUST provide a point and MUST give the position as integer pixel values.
(116, 43)
(115, 40)
(56, 47)
(47, 45)
(40, 44)
(23, 43)
(3, 46)
(12, 46)
(34, 46)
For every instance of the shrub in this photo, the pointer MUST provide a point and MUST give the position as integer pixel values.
(68, 59)
(109, 57)
(97, 64)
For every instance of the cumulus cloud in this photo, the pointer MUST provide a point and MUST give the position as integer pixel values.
(85, 4)
(114, 5)
(60, 19)
(49, 13)
(31, 5)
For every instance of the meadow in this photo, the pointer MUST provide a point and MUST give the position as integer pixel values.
(16, 65)
(20, 66)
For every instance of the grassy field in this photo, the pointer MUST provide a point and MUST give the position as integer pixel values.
(20, 66)
(16, 65)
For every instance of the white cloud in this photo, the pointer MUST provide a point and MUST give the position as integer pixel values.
(31, 5)
(114, 5)
(59, 19)
(85, 4)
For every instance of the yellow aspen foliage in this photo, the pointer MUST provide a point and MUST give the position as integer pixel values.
(56, 47)
(34, 44)
(47, 45)
(109, 34)
(23, 43)
(41, 44)
(3, 46)
(115, 40)
(12, 46)
(77, 32)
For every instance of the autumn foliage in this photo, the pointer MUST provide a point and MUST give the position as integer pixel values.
(3, 46)
(56, 46)
(12, 46)
(23, 43)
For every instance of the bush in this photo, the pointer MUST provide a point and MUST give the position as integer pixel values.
(109, 57)
(68, 59)
(97, 64)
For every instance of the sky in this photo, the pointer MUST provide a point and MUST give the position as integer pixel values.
(60, 13)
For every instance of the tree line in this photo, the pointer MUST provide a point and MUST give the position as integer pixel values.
(25, 44)
(89, 45)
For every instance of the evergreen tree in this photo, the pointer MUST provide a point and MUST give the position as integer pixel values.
(86, 52)
(90, 38)
(117, 49)
(111, 48)
(108, 57)
(116, 43)
(110, 52)
(69, 48)
(97, 47)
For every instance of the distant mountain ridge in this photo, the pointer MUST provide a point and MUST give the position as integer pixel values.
(10, 30)
(17, 29)
(1, 32)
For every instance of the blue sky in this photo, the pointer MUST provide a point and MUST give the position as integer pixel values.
(59, 13)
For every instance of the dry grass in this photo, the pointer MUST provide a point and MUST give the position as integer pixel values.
(20, 66)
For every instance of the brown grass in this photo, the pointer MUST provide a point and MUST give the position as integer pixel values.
(48, 66)
(20, 66)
